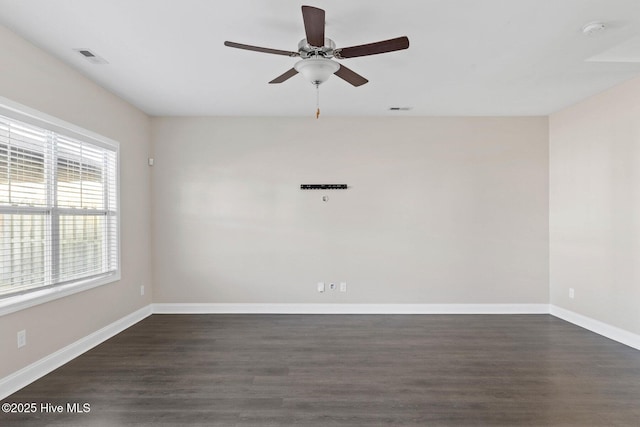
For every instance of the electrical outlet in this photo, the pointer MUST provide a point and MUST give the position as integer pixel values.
(572, 293)
(22, 338)
(320, 286)
(142, 290)
(343, 286)
(332, 286)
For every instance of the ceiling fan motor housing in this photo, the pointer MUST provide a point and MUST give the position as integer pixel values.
(307, 51)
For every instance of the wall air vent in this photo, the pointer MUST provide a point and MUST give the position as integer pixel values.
(91, 56)
(399, 108)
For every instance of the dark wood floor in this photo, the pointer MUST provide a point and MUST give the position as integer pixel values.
(354, 370)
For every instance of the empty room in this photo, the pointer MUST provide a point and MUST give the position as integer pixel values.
(288, 213)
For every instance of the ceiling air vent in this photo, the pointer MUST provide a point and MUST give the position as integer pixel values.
(91, 57)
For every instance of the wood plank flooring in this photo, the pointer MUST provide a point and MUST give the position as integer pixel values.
(345, 370)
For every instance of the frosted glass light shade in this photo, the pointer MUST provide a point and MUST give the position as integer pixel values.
(317, 70)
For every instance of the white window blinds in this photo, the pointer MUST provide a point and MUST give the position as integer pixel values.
(58, 209)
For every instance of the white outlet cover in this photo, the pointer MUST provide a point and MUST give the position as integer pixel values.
(22, 338)
(343, 286)
(320, 286)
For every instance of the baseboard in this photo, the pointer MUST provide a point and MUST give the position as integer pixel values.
(196, 308)
(600, 328)
(29, 374)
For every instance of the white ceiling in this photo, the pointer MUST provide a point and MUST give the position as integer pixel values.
(467, 57)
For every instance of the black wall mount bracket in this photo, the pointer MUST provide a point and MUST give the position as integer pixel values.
(323, 186)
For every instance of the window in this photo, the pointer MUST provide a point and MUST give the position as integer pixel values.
(58, 209)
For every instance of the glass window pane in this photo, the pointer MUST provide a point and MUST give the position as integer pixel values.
(22, 176)
(80, 175)
(82, 246)
(22, 252)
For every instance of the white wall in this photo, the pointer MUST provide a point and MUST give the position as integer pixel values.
(595, 207)
(31, 77)
(438, 210)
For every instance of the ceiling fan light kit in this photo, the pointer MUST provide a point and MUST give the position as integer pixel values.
(316, 70)
(316, 52)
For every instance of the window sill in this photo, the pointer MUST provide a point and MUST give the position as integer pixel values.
(31, 299)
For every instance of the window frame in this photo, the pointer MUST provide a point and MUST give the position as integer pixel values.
(19, 112)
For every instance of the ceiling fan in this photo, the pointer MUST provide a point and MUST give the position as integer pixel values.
(316, 52)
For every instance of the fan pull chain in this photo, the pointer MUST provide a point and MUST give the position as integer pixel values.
(317, 101)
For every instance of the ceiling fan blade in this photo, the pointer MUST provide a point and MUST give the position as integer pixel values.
(313, 25)
(391, 45)
(286, 76)
(350, 76)
(261, 49)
